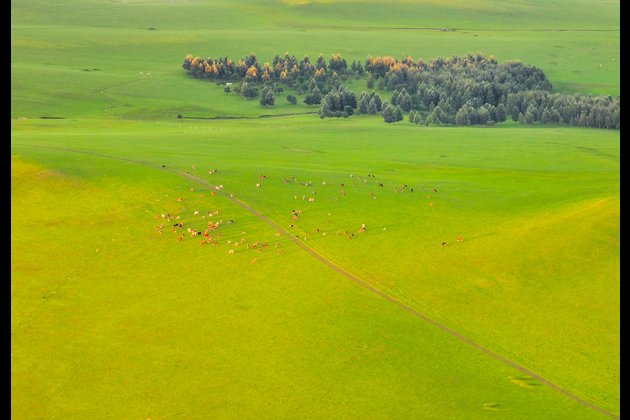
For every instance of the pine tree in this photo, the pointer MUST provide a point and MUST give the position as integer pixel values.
(404, 100)
(313, 98)
(373, 107)
(391, 113)
(394, 99)
(267, 98)
(364, 103)
(370, 81)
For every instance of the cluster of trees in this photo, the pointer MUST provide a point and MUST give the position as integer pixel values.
(339, 102)
(314, 95)
(391, 113)
(537, 106)
(463, 90)
(286, 69)
(403, 100)
(477, 90)
(459, 90)
(370, 103)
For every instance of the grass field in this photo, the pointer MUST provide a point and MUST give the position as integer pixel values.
(111, 318)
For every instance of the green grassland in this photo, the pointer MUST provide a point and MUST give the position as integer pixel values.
(111, 318)
(56, 47)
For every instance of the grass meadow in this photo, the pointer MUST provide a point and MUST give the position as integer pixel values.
(112, 319)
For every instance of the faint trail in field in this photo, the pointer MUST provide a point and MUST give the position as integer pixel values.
(227, 117)
(344, 272)
(446, 29)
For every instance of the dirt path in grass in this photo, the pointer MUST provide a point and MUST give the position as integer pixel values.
(344, 272)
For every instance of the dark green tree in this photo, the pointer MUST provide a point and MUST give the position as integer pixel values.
(437, 116)
(266, 97)
(364, 102)
(370, 81)
(391, 113)
(314, 97)
(248, 91)
(404, 100)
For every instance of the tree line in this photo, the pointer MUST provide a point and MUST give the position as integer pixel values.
(461, 90)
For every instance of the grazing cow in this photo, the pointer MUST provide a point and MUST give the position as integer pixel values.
(460, 238)
(443, 244)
